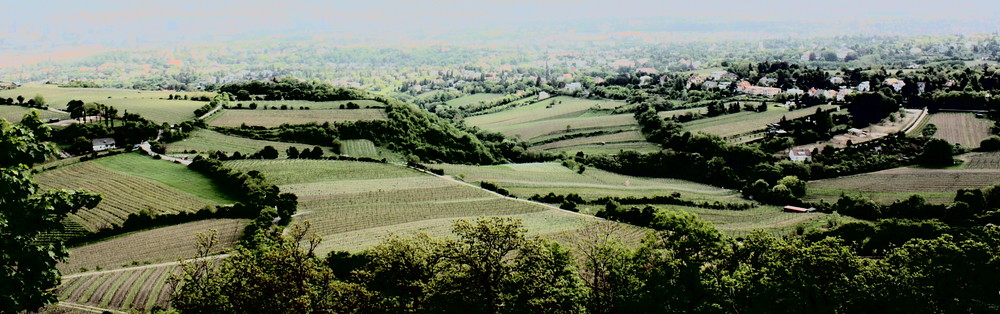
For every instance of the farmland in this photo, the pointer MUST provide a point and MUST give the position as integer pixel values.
(567, 124)
(471, 99)
(990, 160)
(156, 110)
(207, 141)
(57, 97)
(165, 244)
(960, 128)
(137, 289)
(14, 114)
(312, 105)
(358, 148)
(131, 183)
(525, 180)
(744, 122)
(351, 203)
(272, 118)
(937, 186)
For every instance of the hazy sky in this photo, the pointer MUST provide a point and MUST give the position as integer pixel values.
(122, 21)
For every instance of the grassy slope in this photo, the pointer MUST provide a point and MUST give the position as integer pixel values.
(937, 186)
(15, 113)
(738, 123)
(471, 99)
(204, 140)
(170, 174)
(271, 118)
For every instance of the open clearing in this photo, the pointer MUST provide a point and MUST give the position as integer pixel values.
(745, 122)
(525, 180)
(159, 245)
(358, 148)
(567, 124)
(131, 183)
(960, 128)
(207, 141)
(272, 118)
(130, 290)
(352, 204)
(937, 186)
(14, 114)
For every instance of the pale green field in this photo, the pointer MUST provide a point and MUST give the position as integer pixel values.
(156, 110)
(525, 180)
(57, 97)
(272, 118)
(935, 185)
(358, 148)
(471, 99)
(569, 108)
(207, 141)
(353, 204)
(742, 122)
(312, 105)
(674, 113)
(14, 114)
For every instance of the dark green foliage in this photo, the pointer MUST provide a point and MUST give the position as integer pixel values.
(990, 144)
(937, 153)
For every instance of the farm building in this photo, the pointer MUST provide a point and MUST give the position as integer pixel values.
(543, 95)
(800, 154)
(103, 144)
(796, 209)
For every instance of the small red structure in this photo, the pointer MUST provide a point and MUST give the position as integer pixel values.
(796, 209)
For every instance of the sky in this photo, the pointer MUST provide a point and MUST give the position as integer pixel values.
(43, 25)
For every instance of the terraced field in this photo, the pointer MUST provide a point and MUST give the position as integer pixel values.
(131, 183)
(14, 114)
(207, 141)
(165, 244)
(937, 186)
(743, 122)
(567, 124)
(960, 128)
(138, 289)
(525, 180)
(352, 204)
(272, 118)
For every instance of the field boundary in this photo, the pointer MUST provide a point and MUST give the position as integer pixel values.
(86, 308)
(916, 122)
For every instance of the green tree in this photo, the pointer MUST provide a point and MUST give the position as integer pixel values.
(937, 153)
(28, 261)
(292, 152)
(39, 101)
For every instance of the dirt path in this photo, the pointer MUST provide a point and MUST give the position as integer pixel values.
(149, 150)
(93, 273)
(921, 117)
(207, 114)
(86, 308)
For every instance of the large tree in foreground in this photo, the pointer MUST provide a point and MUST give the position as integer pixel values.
(28, 260)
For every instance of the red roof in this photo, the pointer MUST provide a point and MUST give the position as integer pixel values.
(798, 209)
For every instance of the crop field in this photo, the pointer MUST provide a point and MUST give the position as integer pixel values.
(937, 186)
(312, 105)
(207, 141)
(155, 109)
(471, 99)
(990, 160)
(960, 128)
(525, 180)
(350, 204)
(674, 113)
(743, 122)
(138, 289)
(564, 108)
(14, 114)
(614, 138)
(272, 118)
(160, 245)
(131, 186)
(358, 148)
(57, 97)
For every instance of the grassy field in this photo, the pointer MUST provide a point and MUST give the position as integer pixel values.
(160, 245)
(149, 104)
(206, 141)
(565, 124)
(358, 148)
(131, 183)
(352, 204)
(135, 290)
(525, 180)
(937, 186)
(312, 105)
(741, 222)
(471, 99)
(14, 114)
(156, 110)
(960, 128)
(743, 122)
(674, 113)
(272, 118)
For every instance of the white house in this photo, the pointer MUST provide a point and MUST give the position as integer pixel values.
(103, 144)
(795, 91)
(543, 95)
(573, 86)
(800, 154)
(864, 86)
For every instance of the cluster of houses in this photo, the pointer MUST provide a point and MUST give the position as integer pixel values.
(8, 85)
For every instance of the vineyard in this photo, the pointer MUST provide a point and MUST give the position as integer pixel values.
(989, 160)
(165, 244)
(960, 128)
(358, 148)
(744, 122)
(138, 289)
(350, 204)
(206, 141)
(272, 118)
(525, 180)
(127, 192)
(937, 186)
